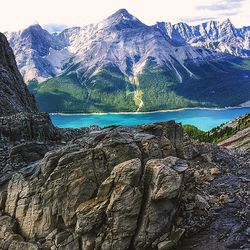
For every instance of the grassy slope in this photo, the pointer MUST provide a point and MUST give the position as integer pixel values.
(218, 85)
(218, 134)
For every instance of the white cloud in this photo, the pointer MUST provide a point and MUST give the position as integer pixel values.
(16, 14)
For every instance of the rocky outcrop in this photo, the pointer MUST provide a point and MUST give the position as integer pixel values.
(14, 95)
(143, 187)
(26, 138)
(101, 190)
(27, 127)
(25, 134)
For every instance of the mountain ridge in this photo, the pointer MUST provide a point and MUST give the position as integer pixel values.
(221, 36)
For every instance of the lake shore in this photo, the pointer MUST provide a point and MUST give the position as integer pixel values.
(148, 112)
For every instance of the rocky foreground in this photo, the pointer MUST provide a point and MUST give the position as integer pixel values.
(144, 187)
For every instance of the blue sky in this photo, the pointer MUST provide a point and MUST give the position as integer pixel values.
(57, 14)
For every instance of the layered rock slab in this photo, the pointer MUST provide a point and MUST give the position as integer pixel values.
(96, 189)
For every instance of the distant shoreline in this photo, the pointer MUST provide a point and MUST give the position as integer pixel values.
(148, 112)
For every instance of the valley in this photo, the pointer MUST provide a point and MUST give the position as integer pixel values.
(92, 68)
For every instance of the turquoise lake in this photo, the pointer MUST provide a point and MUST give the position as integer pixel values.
(204, 119)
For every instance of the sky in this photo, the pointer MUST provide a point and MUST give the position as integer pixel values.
(58, 14)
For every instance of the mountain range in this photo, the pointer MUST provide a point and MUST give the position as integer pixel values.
(121, 64)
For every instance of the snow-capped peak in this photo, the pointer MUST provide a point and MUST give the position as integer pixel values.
(122, 14)
(123, 17)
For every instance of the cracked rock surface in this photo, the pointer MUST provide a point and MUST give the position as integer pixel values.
(143, 187)
(109, 189)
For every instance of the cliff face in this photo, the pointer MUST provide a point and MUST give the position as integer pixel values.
(14, 95)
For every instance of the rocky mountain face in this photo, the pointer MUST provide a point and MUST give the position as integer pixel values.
(121, 39)
(121, 64)
(31, 47)
(20, 120)
(221, 36)
(14, 94)
(41, 55)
